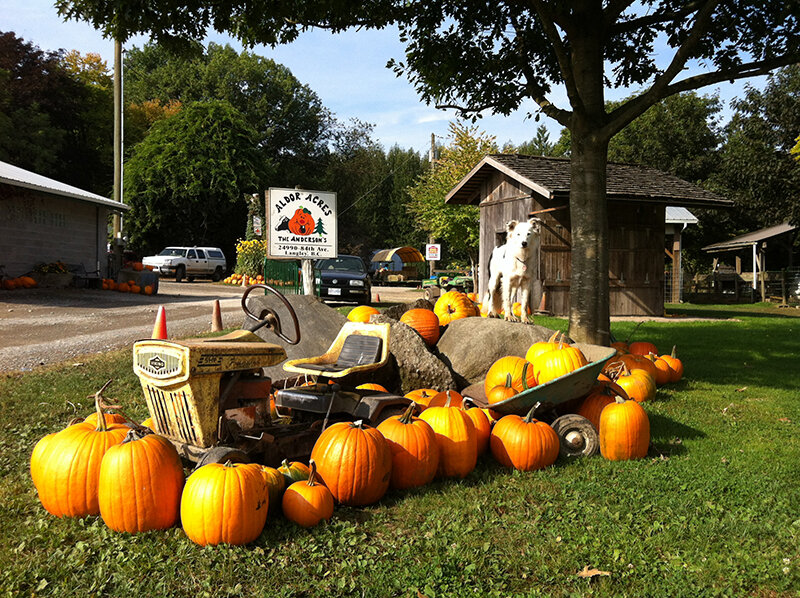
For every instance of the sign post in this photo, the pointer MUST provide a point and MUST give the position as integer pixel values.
(302, 225)
(433, 253)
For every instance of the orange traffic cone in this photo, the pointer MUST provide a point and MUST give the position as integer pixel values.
(216, 317)
(542, 304)
(160, 327)
(377, 297)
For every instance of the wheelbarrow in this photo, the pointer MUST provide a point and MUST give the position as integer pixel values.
(577, 435)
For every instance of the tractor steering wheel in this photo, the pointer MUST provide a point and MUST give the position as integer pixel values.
(268, 317)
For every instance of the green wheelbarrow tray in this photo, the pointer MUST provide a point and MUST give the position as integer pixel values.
(550, 395)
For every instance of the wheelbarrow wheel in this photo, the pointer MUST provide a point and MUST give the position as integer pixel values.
(223, 454)
(577, 436)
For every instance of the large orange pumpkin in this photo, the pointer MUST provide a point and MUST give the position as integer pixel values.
(524, 443)
(425, 322)
(456, 437)
(557, 363)
(624, 431)
(454, 305)
(542, 347)
(446, 398)
(639, 385)
(140, 486)
(354, 462)
(516, 366)
(308, 502)
(301, 223)
(415, 452)
(67, 470)
(592, 406)
(224, 504)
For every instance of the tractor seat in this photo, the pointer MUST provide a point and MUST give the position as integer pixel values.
(358, 347)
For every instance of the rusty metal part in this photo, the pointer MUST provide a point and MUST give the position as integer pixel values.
(269, 318)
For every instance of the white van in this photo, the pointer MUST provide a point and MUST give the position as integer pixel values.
(189, 263)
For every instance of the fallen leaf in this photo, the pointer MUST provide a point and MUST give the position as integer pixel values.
(742, 389)
(587, 572)
(421, 595)
(785, 420)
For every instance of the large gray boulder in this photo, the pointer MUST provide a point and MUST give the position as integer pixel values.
(470, 346)
(319, 325)
(396, 311)
(414, 365)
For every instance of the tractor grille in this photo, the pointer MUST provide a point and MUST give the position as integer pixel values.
(173, 414)
(158, 363)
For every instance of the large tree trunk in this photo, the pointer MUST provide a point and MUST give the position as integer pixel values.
(589, 319)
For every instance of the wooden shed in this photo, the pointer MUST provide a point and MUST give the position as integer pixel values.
(515, 187)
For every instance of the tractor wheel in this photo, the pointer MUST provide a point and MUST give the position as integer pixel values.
(577, 436)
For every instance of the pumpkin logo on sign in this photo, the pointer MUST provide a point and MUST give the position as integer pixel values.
(302, 223)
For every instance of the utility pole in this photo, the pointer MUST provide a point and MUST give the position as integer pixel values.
(116, 241)
(432, 160)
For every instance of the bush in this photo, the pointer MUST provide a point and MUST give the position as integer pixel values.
(250, 257)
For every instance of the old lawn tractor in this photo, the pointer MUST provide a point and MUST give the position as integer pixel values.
(211, 399)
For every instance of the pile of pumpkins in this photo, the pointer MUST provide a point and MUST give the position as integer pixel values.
(246, 279)
(130, 286)
(20, 282)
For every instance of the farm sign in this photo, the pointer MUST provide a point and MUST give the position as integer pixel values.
(301, 224)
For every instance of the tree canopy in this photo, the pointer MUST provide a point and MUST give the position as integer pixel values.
(474, 56)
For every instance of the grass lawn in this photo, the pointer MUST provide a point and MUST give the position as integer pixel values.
(713, 510)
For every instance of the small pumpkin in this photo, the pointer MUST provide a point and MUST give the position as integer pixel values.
(415, 451)
(456, 437)
(372, 386)
(557, 363)
(453, 305)
(422, 396)
(362, 313)
(483, 427)
(498, 394)
(294, 471)
(663, 371)
(525, 443)
(111, 418)
(638, 384)
(140, 485)
(354, 461)
(425, 322)
(224, 504)
(308, 502)
(675, 363)
(522, 374)
(624, 431)
(276, 484)
(450, 398)
(642, 348)
(593, 405)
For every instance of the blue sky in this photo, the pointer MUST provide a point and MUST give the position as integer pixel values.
(348, 71)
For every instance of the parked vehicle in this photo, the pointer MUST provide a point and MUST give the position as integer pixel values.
(343, 278)
(189, 263)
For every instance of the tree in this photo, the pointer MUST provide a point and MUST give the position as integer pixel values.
(474, 56)
(186, 181)
(457, 227)
(291, 123)
(538, 146)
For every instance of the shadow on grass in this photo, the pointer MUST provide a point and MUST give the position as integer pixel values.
(667, 435)
(727, 312)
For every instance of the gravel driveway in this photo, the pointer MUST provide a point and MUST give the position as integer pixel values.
(46, 326)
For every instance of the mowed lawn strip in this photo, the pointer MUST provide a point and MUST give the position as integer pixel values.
(713, 510)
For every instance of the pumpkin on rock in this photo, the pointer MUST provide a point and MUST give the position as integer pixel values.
(354, 461)
(425, 322)
(454, 305)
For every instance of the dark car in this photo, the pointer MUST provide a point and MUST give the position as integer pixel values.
(343, 278)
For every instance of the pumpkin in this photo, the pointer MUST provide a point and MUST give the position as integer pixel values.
(354, 462)
(149, 423)
(522, 375)
(276, 484)
(456, 437)
(620, 346)
(415, 451)
(663, 371)
(453, 305)
(9, 284)
(123, 287)
(425, 322)
(446, 398)
(308, 502)
(498, 394)
(362, 313)
(422, 396)
(633, 362)
(27, 282)
(294, 471)
(542, 347)
(524, 443)
(67, 470)
(516, 309)
(224, 504)
(557, 363)
(301, 223)
(111, 418)
(642, 348)
(676, 365)
(592, 406)
(39, 450)
(483, 427)
(638, 384)
(140, 486)
(135, 288)
(624, 431)
(371, 386)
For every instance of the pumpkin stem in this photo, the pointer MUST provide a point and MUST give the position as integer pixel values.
(408, 416)
(509, 380)
(311, 481)
(619, 399)
(137, 433)
(529, 417)
(99, 403)
(358, 424)
(449, 396)
(674, 351)
(525, 385)
(552, 339)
